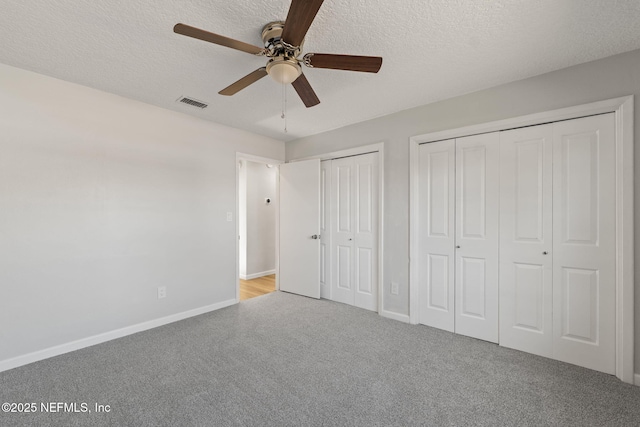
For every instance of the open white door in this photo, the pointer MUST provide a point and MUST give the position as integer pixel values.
(300, 228)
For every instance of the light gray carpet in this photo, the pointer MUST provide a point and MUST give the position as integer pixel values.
(284, 360)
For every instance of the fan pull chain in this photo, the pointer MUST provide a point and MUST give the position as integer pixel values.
(284, 106)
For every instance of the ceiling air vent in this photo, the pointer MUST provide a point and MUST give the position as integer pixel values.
(193, 102)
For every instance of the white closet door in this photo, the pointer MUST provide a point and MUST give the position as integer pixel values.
(342, 208)
(584, 249)
(366, 231)
(436, 234)
(354, 209)
(526, 239)
(325, 229)
(477, 198)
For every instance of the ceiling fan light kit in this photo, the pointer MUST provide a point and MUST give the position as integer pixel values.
(283, 42)
(284, 70)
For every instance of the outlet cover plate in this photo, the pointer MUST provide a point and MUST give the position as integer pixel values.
(395, 288)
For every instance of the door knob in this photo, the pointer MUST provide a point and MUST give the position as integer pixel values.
(315, 236)
(544, 253)
(458, 246)
(350, 239)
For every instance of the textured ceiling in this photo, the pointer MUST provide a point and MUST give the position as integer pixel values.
(432, 49)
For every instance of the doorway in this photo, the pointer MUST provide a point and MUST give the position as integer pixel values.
(257, 212)
(342, 234)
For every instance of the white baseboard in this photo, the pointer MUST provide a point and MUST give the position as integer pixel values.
(395, 316)
(107, 336)
(637, 379)
(256, 275)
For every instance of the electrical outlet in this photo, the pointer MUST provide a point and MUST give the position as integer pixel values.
(229, 216)
(162, 292)
(395, 288)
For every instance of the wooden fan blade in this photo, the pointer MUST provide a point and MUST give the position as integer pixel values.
(250, 78)
(299, 19)
(306, 93)
(367, 64)
(199, 34)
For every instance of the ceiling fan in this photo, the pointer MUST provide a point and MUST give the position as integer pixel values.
(283, 42)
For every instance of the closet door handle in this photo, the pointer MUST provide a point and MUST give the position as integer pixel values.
(457, 246)
(545, 253)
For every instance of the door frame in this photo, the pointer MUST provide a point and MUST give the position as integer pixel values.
(365, 149)
(265, 160)
(623, 109)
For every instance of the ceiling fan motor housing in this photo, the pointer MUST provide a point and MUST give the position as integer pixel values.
(273, 43)
(271, 32)
(283, 65)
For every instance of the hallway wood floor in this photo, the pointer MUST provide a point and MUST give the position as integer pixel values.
(256, 287)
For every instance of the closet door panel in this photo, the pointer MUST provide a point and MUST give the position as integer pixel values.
(472, 287)
(472, 188)
(526, 239)
(584, 242)
(366, 231)
(477, 201)
(436, 234)
(528, 304)
(364, 280)
(342, 206)
(438, 294)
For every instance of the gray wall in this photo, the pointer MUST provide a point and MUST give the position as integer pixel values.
(103, 200)
(594, 81)
(258, 233)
